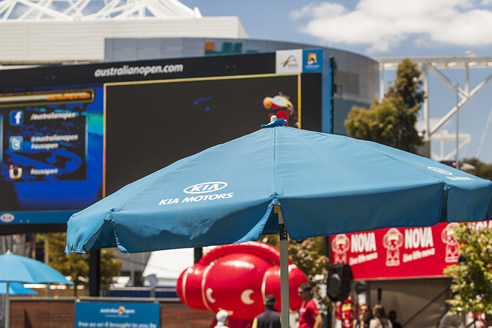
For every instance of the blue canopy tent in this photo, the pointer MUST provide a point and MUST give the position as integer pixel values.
(279, 179)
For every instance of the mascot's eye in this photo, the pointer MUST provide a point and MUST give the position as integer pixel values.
(267, 102)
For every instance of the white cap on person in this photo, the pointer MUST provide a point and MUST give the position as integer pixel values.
(222, 316)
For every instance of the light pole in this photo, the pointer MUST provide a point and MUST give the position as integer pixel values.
(457, 125)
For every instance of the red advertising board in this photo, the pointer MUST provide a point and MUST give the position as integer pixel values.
(397, 253)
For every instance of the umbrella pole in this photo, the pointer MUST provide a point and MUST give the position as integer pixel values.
(284, 269)
(7, 307)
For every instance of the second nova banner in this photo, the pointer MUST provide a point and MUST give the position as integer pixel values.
(399, 252)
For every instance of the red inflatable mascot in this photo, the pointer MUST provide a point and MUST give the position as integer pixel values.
(236, 278)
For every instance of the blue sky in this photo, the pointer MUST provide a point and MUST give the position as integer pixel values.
(386, 28)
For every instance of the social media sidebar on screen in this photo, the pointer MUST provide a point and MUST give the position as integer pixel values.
(45, 136)
(43, 147)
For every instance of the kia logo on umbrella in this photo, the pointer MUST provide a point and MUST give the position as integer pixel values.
(205, 187)
(439, 170)
(7, 217)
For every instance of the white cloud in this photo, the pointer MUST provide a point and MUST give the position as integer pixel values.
(324, 10)
(382, 24)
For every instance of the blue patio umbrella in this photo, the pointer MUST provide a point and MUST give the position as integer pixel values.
(16, 288)
(20, 269)
(279, 179)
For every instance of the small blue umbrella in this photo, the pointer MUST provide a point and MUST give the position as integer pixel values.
(15, 268)
(278, 179)
(16, 288)
(20, 269)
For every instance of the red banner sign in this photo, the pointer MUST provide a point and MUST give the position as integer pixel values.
(398, 252)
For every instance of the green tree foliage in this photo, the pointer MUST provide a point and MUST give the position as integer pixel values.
(110, 267)
(481, 169)
(392, 121)
(472, 277)
(307, 255)
(77, 265)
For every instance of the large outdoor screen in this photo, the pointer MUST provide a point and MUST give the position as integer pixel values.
(71, 135)
(170, 120)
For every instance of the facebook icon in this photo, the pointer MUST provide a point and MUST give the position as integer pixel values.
(16, 117)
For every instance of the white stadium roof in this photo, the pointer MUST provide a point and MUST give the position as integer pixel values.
(56, 31)
(70, 10)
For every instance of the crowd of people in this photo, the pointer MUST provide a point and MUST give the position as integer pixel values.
(376, 318)
(310, 317)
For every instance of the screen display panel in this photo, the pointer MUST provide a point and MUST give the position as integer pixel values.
(174, 119)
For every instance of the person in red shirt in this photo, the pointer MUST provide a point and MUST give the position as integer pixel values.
(309, 316)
